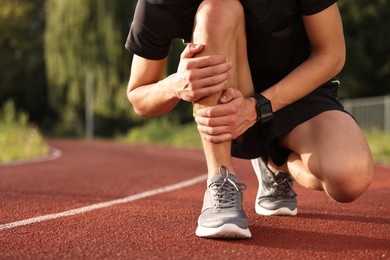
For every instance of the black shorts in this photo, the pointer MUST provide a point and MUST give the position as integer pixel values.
(261, 140)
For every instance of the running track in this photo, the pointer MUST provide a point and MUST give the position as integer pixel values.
(106, 200)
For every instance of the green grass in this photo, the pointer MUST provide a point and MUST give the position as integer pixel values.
(379, 143)
(18, 139)
(161, 132)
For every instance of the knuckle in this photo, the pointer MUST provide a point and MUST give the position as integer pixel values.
(232, 122)
(191, 94)
(189, 86)
(190, 74)
(186, 76)
(233, 110)
(186, 65)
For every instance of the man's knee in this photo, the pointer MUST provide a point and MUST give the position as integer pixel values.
(349, 181)
(219, 15)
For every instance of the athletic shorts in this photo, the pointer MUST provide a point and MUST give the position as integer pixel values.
(261, 140)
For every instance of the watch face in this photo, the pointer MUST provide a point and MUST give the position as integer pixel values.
(263, 109)
(266, 113)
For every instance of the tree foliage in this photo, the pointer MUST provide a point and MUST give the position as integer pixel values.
(50, 48)
(86, 38)
(367, 33)
(22, 76)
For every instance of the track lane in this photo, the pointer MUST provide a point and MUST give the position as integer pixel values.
(89, 173)
(163, 226)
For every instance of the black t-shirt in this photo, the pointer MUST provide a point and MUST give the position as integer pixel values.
(157, 22)
(277, 41)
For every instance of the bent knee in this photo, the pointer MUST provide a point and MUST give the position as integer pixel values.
(219, 14)
(349, 183)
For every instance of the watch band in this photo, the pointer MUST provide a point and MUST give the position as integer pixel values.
(263, 109)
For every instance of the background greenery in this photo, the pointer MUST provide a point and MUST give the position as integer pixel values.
(51, 50)
(18, 139)
(163, 133)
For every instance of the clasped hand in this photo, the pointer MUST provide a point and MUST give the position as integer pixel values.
(199, 77)
(228, 120)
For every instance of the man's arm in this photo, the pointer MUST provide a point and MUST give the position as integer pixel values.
(153, 95)
(326, 36)
(236, 113)
(143, 90)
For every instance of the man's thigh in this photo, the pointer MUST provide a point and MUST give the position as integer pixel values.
(330, 143)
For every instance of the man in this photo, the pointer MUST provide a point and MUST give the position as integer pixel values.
(282, 113)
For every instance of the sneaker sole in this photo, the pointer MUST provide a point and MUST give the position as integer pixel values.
(225, 231)
(267, 212)
(277, 212)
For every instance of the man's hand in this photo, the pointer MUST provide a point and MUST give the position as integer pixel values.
(199, 77)
(227, 120)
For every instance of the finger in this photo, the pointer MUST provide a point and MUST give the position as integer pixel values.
(191, 49)
(221, 121)
(208, 81)
(197, 93)
(218, 110)
(214, 70)
(219, 138)
(228, 95)
(207, 61)
(213, 130)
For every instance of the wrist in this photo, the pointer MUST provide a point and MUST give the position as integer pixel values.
(253, 113)
(169, 84)
(263, 107)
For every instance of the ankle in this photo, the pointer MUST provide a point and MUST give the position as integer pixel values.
(221, 169)
(275, 168)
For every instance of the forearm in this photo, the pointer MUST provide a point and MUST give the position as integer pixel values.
(195, 79)
(236, 113)
(154, 99)
(312, 73)
(326, 37)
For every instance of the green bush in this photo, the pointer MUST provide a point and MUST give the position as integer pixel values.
(379, 143)
(161, 131)
(18, 139)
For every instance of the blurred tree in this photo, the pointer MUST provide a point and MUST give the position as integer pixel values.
(85, 39)
(367, 33)
(22, 76)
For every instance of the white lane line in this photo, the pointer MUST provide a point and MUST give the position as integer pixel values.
(54, 154)
(101, 205)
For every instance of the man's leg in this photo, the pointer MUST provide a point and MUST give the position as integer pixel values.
(331, 154)
(220, 26)
(275, 195)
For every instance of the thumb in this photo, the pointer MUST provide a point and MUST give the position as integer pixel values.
(191, 49)
(228, 95)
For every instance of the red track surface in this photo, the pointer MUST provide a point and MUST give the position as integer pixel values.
(163, 226)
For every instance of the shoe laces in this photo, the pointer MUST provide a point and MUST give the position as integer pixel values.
(282, 185)
(226, 192)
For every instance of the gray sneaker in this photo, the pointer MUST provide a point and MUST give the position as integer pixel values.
(275, 195)
(222, 213)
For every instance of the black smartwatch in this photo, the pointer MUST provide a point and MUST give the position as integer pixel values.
(263, 109)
